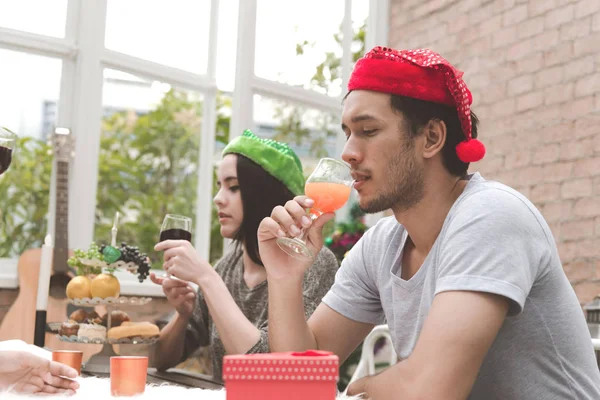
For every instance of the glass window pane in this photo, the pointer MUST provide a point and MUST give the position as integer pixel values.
(360, 13)
(309, 132)
(305, 42)
(28, 105)
(148, 162)
(36, 16)
(174, 32)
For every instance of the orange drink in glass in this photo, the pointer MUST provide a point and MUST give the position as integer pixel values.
(329, 187)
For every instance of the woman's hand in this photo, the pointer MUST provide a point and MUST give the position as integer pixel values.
(179, 293)
(183, 262)
(28, 373)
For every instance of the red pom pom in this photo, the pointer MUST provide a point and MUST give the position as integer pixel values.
(470, 150)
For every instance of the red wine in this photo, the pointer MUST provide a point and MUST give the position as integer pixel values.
(5, 158)
(176, 234)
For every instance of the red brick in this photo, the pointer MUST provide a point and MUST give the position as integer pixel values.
(466, 5)
(559, 54)
(589, 248)
(598, 226)
(504, 37)
(545, 192)
(504, 107)
(537, 7)
(545, 41)
(587, 207)
(490, 25)
(546, 154)
(578, 108)
(587, 126)
(481, 14)
(576, 188)
(586, 7)
(518, 158)
(549, 76)
(558, 172)
(587, 45)
(574, 230)
(514, 15)
(579, 270)
(586, 291)
(559, 133)
(519, 50)
(459, 23)
(556, 211)
(549, 115)
(587, 85)
(597, 186)
(559, 16)
(555, 229)
(491, 165)
(493, 93)
(596, 23)
(502, 5)
(576, 29)
(437, 33)
(558, 94)
(530, 27)
(574, 149)
(597, 144)
(530, 100)
(520, 85)
(531, 63)
(588, 167)
(529, 176)
(579, 67)
(568, 251)
(505, 71)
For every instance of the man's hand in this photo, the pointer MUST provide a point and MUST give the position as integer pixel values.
(23, 372)
(289, 221)
(358, 387)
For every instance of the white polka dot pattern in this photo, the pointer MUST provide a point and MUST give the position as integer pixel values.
(281, 366)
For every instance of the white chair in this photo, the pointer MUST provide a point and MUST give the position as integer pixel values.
(366, 365)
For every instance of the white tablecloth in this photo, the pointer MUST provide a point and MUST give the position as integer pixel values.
(99, 388)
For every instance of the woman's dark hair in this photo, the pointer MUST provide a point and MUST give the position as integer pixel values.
(261, 193)
(418, 113)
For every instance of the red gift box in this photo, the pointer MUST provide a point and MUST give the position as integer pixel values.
(276, 376)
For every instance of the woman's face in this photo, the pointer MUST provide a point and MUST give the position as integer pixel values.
(229, 199)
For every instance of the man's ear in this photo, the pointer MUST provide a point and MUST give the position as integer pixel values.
(434, 135)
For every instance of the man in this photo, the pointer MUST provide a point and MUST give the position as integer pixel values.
(24, 372)
(466, 273)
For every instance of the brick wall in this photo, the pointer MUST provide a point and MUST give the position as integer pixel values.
(534, 69)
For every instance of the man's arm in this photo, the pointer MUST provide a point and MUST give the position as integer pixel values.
(455, 338)
(325, 330)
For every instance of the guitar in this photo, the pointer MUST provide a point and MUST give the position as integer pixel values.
(19, 322)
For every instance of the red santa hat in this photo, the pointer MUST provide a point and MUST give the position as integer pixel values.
(424, 75)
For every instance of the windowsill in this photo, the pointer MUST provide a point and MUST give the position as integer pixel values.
(130, 286)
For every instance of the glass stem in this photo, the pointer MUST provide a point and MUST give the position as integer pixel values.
(304, 232)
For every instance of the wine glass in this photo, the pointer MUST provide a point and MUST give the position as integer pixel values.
(176, 227)
(8, 143)
(329, 186)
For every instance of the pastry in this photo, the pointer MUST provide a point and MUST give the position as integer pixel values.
(133, 329)
(69, 328)
(116, 318)
(91, 331)
(78, 315)
(93, 318)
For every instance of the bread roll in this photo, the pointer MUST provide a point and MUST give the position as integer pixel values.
(133, 329)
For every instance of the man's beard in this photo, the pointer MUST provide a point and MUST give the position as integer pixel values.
(405, 188)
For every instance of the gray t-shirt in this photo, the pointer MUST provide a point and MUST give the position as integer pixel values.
(493, 240)
(253, 302)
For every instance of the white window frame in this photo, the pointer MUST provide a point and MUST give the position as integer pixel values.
(84, 58)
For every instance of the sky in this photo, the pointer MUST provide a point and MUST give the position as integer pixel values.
(171, 32)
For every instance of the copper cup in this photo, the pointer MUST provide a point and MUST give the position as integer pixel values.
(128, 375)
(72, 358)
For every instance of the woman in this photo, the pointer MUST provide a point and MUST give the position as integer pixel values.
(229, 310)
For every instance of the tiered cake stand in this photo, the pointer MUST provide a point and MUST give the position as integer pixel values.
(100, 362)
